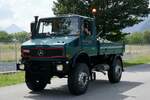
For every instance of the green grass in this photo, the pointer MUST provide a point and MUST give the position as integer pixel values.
(11, 79)
(137, 61)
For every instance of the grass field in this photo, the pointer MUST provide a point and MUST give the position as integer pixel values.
(133, 51)
(136, 54)
(137, 61)
(8, 52)
(11, 79)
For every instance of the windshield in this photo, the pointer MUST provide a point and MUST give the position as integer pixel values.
(59, 26)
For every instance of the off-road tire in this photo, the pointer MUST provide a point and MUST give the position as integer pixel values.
(78, 79)
(115, 71)
(34, 84)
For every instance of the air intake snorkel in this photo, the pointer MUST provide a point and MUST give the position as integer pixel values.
(33, 27)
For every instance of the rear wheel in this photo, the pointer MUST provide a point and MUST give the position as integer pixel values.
(115, 71)
(78, 79)
(34, 83)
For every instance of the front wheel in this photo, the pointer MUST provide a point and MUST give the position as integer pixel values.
(34, 83)
(115, 71)
(78, 79)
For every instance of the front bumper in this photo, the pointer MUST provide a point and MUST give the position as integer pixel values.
(54, 68)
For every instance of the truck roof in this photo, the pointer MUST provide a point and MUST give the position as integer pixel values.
(68, 15)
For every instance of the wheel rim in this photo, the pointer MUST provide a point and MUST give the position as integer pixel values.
(118, 71)
(83, 79)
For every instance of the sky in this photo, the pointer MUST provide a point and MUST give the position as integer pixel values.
(22, 12)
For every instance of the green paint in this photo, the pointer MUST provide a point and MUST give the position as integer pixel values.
(50, 41)
(75, 44)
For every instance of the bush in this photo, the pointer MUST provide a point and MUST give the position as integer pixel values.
(147, 37)
(135, 38)
(5, 37)
(20, 36)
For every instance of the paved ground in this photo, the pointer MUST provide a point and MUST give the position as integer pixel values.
(7, 66)
(135, 85)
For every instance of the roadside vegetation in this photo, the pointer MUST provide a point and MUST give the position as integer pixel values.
(137, 61)
(138, 38)
(10, 45)
(137, 49)
(8, 52)
(11, 79)
(136, 55)
(7, 38)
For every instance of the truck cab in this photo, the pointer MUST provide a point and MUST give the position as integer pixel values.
(68, 46)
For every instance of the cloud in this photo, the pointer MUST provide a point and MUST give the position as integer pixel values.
(21, 12)
(5, 13)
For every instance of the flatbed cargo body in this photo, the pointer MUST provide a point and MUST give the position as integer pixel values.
(111, 48)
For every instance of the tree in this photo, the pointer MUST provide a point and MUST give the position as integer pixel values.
(4, 37)
(135, 38)
(147, 37)
(112, 15)
(21, 36)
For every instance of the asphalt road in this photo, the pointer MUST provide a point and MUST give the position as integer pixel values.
(135, 85)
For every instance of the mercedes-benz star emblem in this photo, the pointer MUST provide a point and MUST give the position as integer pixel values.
(40, 53)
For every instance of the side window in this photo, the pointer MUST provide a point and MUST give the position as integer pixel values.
(86, 28)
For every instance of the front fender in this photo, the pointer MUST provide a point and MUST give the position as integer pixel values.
(80, 57)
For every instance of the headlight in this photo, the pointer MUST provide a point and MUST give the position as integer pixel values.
(26, 51)
(59, 67)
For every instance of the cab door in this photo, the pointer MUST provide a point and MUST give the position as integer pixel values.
(88, 37)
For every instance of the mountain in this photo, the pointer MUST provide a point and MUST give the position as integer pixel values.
(141, 27)
(13, 29)
(146, 25)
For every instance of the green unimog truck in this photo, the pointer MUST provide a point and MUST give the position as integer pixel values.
(68, 47)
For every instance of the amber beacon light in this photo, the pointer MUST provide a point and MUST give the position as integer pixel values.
(94, 10)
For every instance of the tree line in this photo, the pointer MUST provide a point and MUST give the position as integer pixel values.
(138, 38)
(19, 37)
(134, 38)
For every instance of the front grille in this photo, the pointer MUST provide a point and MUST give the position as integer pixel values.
(46, 52)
